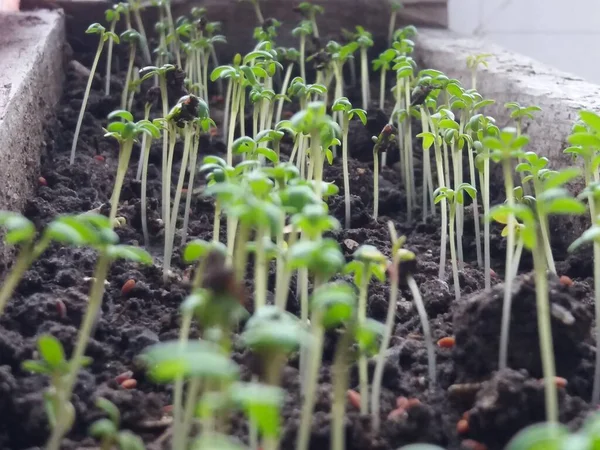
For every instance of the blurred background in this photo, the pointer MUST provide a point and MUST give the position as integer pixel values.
(562, 33)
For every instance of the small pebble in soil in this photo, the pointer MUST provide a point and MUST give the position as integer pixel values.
(129, 384)
(353, 398)
(566, 281)
(446, 342)
(124, 377)
(127, 287)
(42, 181)
(560, 382)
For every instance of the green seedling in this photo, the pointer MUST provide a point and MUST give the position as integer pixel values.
(364, 39)
(519, 113)
(473, 63)
(481, 126)
(52, 363)
(331, 305)
(160, 73)
(592, 195)
(218, 172)
(310, 11)
(402, 112)
(553, 200)
(303, 30)
(323, 131)
(557, 436)
(262, 405)
(112, 16)
(110, 36)
(203, 254)
(135, 6)
(106, 430)
(381, 144)
(504, 149)
(20, 232)
(454, 198)
(290, 56)
(368, 263)
(261, 99)
(344, 106)
(144, 161)
(273, 335)
(339, 56)
(503, 219)
(534, 169)
(201, 362)
(132, 38)
(383, 64)
(125, 131)
(95, 231)
(396, 7)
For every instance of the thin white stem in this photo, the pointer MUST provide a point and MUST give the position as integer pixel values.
(414, 289)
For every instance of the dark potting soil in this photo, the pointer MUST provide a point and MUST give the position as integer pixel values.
(498, 403)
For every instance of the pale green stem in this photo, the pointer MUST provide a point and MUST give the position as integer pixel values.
(85, 330)
(109, 59)
(124, 157)
(510, 247)
(414, 289)
(545, 335)
(363, 375)
(86, 95)
(345, 128)
(306, 417)
(385, 342)
(144, 206)
(453, 251)
(190, 190)
(284, 87)
(340, 386)
(260, 270)
(124, 94)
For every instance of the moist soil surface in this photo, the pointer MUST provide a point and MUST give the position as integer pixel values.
(496, 404)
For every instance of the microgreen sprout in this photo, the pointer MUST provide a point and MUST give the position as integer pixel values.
(95, 28)
(303, 30)
(504, 149)
(125, 133)
(106, 430)
(383, 64)
(344, 106)
(330, 305)
(368, 263)
(112, 16)
(21, 232)
(364, 40)
(132, 38)
(310, 11)
(396, 7)
(554, 199)
(473, 63)
(94, 231)
(454, 198)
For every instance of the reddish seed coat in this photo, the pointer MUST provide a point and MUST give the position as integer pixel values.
(353, 398)
(287, 114)
(99, 158)
(123, 377)
(446, 342)
(42, 181)
(413, 402)
(127, 287)
(566, 281)
(401, 402)
(466, 415)
(214, 131)
(129, 384)
(61, 309)
(398, 412)
(168, 409)
(560, 382)
(473, 445)
(493, 273)
(462, 426)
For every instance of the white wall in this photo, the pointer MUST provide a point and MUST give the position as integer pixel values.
(563, 33)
